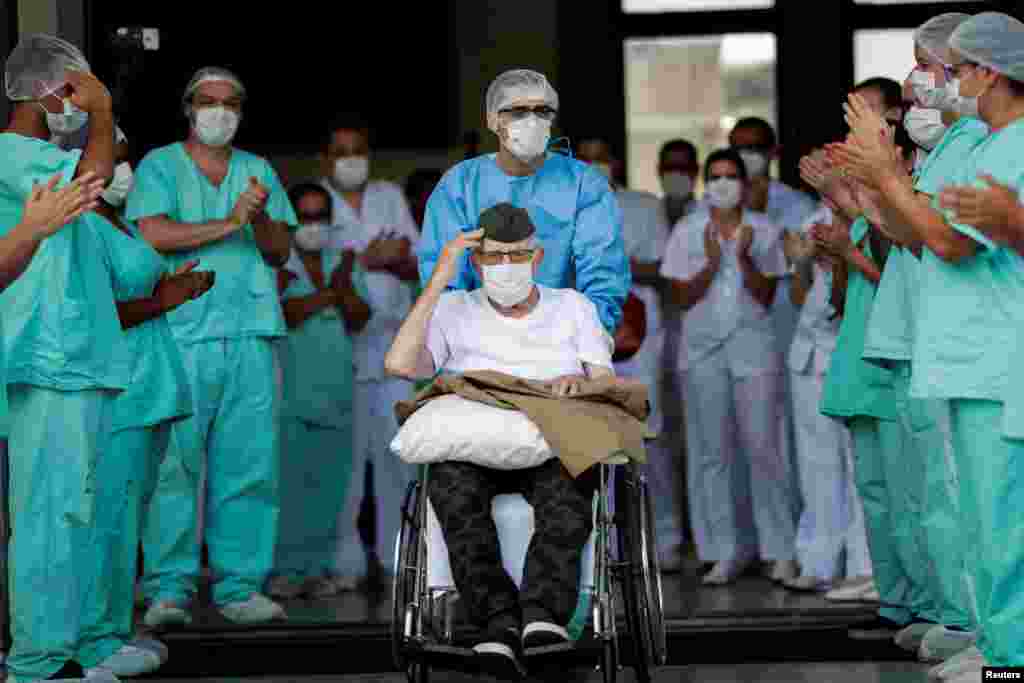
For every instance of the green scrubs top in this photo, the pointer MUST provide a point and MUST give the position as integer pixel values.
(854, 387)
(61, 328)
(243, 302)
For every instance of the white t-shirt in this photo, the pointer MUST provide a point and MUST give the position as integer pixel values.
(816, 330)
(564, 331)
(728, 312)
(384, 211)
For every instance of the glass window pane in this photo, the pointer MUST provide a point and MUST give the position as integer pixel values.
(647, 6)
(887, 52)
(696, 89)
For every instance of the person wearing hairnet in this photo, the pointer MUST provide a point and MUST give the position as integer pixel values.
(578, 221)
(969, 326)
(831, 524)
(722, 262)
(645, 234)
(324, 304)
(372, 218)
(204, 199)
(156, 397)
(65, 363)
(930, 520)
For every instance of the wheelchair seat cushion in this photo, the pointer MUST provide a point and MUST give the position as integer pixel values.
(452, 428)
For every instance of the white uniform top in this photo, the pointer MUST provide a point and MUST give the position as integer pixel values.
(645, 234)
(816, 330)
(564, 331)
(384, 211)
(788, 208)
(727, 316)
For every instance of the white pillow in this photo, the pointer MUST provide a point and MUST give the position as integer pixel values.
(454, 428)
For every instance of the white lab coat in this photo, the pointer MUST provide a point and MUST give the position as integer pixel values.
(740, 485)
(645, 233)
(384, 211)
(832, 519)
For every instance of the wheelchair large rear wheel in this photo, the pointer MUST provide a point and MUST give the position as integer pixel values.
(406, 564)
(641, 576)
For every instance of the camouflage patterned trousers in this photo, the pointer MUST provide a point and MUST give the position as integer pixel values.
(461, 494)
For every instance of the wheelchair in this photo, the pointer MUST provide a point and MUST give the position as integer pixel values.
(621, 552)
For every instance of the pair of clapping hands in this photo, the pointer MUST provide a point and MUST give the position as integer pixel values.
(47, 210)
(870, 158)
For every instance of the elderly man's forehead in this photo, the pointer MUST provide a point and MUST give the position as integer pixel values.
(491, 245)
(218, 90)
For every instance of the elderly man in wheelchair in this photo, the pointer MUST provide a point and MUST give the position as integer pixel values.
(513, 326)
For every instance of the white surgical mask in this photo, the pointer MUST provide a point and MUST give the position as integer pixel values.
(312, 236)
(965, 106)
(724, 193)
(70, 121)
(216, 126)
(528, 137)
(120, 186)
(928, 96)
(677, 185)
(756, 163)
(350, 173)
(508, 284)
(924, 126)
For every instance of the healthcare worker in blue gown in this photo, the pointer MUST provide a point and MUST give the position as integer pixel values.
(65, 365)
(156, 397)
(324, 301)
(969, 328)
(203, 199)
(578, 219)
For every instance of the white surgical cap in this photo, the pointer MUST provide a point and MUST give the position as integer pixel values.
(38, 66)
(994, 40)
(210, 74)
(933, 35)
(519, 84)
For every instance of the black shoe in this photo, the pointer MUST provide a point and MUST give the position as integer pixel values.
(544, 634)
(69, 670)
(878, 629)
(499, 653)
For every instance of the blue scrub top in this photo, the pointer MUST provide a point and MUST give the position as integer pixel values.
(61, 328)
(951, 356)
(243, 301)
(158, 391)
(316, 358)
(573, 208)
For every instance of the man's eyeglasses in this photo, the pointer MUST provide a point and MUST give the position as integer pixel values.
(541, 112)
(493, 258)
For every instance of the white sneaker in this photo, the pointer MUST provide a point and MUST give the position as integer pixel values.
(258, 609)
(726, 571)
(956, 665)
(129, 662)
(166, 614)
(810, 584)
(910, 637)
(285, 587)
(785, 570)
(100, 675)
(941, 643)
(871, 595)
(970, 674)
(144, 642)
(851, 590)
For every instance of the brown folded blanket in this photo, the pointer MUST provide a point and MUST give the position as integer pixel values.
(606, 418)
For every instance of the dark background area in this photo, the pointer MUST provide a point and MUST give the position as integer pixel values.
(393, 62)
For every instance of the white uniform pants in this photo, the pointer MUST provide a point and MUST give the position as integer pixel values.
(738, 481)
(832, 521)
(374, 428)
